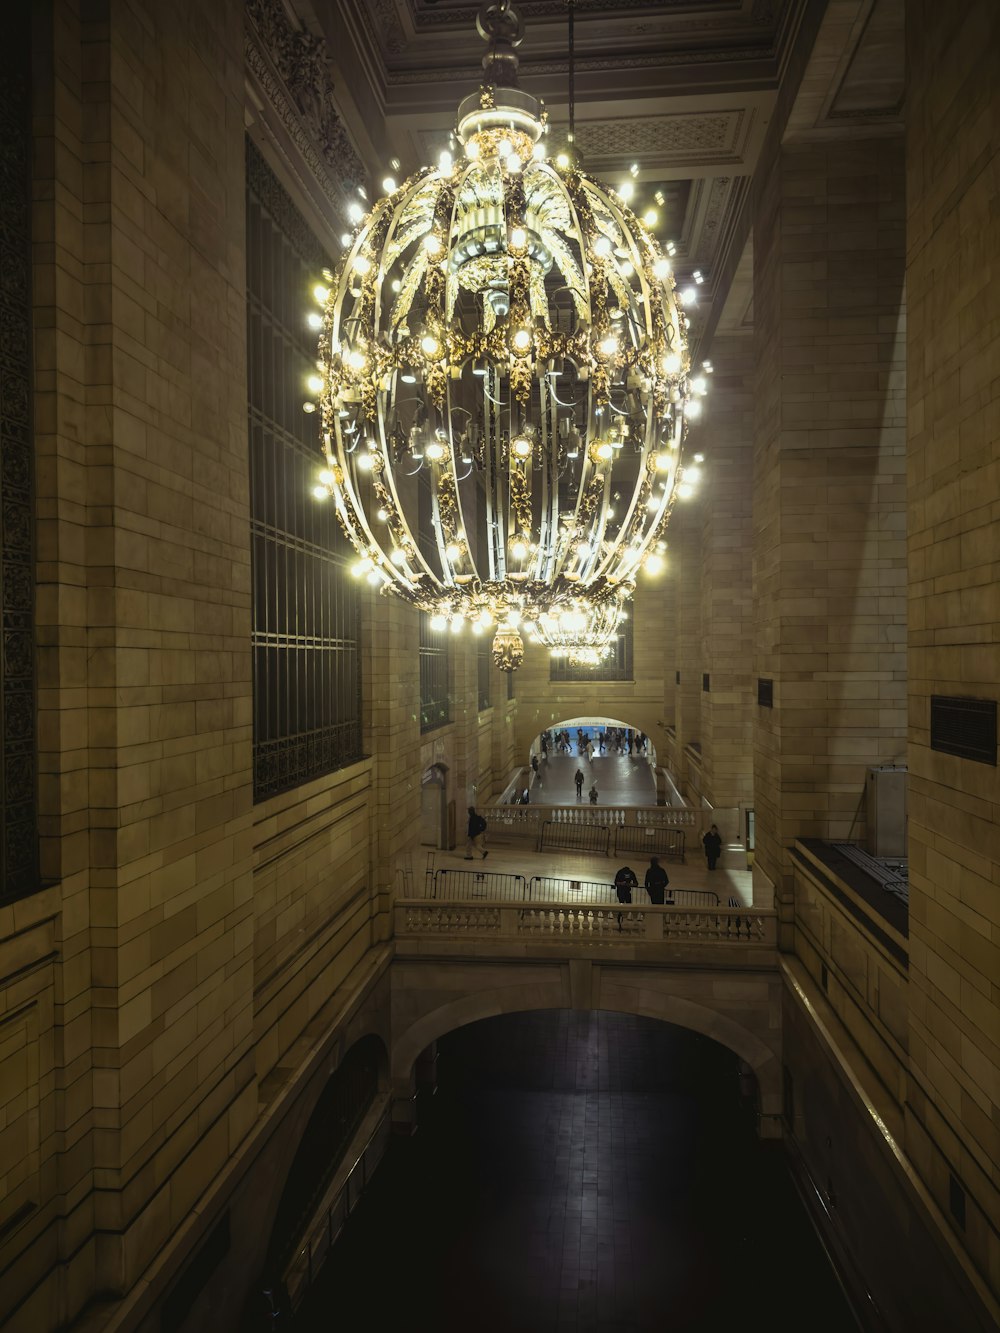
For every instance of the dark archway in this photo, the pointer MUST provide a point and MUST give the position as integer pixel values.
(615, 756)
(349, 1093)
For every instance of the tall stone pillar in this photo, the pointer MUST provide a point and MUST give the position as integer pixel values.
(953, 420)
(143, 618)
(726, 582)
(685, 564)
(829, 487)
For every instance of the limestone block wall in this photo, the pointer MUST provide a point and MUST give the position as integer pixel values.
(686, 563)
(829, 503)
(726, 654)
(953, 251)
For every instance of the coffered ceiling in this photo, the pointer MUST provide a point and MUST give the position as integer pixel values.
(686, 89)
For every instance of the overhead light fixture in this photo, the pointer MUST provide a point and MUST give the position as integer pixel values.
(441, 331)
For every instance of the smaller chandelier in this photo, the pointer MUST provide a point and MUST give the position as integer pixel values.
(505, 383)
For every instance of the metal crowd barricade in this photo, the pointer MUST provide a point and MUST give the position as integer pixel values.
(666, 843)
(548, 888)
(496, 887)
(575, 837)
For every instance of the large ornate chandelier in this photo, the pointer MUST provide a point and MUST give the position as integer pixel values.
(504, 383)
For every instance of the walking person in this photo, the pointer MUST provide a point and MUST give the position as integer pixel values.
(476, 835)
(534, 764)
(712, 842)
(657, 880)
(578, 779)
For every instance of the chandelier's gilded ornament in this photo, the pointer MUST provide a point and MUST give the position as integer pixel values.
(504, 380)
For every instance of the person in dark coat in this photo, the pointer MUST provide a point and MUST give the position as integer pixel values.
(657, 880)
(475, 835)
(712, 842)
(625, 882)
(578, 779)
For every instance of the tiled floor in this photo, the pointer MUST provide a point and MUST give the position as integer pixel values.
(580, 1172)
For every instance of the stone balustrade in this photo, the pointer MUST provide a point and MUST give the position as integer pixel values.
(560, 921)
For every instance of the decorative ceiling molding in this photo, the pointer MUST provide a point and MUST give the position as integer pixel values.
(291, 68)
(717, 137)
(706, 15)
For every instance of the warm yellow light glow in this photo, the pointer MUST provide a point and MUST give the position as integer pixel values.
(663, 462)
(452, 551)
(518, 238)
(321, 293)
(521, 340)
(389, 184)
(356, 360)
(362, 264)
(608, 346)
(562, 161)
(313, 320)
(671, 363)
(321, 493)
(692, 409)
(438, 623)
(661, 269)
(432, 244)
(308, 407)
(398, 557)
(521, 446)
(364, 462)
(314, 383)
(684, 492)
(649, 217)
(700, 384)
(435, 451)
(519, 550)
(654, 564)
(429, 345)
(626, 190)
(602, 246)
(604, 451)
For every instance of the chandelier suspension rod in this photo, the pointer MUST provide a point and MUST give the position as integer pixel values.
(572, 63)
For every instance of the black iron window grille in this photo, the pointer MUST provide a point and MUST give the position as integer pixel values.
(617, 664)
(435, 700)
(18, 736)
(484, 667)
(306, 607)
(964, 727)
(765, 692)
(706, 682)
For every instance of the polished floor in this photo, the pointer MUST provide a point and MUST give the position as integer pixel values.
(580, 1171)
(621, 779)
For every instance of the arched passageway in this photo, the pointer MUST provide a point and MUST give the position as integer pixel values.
(614, 758)
(581, 1170)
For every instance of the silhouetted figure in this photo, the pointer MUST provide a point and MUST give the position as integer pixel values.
(712, 842)
(475, 835)
(625, 882)
(578, 779)
(657, 880)
(593, 794)
(534, 764)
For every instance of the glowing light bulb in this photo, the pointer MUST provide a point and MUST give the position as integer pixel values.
(514, 164)
(398, 557)
(700, 384)
(321, 293)
(671, 363)
(374, 577)
(562, 161)
(521, 340)
(661, 269)
(438, 623)
(692, 475)
(445, 160)
(345, 239)
(314, 384)
(472, 149)
(653, 564)
(362, 264)
(429, 345)
(314, 320)
(698, 458)
(308, 407)
(435, 451)
(321, 493)
(518, 238)
(456, 625)
(326, 477)
(608, 345)
(382, 516)
(626, 190)
(505, 147)
(364, 462)
(602, 246)
(663, 462)
(432, 244)
(538, 152)
(604, 451)
(521, 446)
(356, 360)
(519, 550)
(692, 409)
(684, 492)
(452, 551)
(389, 184)
(689, 296)
(355, 212)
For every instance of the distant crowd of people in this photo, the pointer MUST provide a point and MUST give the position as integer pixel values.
(588, 741)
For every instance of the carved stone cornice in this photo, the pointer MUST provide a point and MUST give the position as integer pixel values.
(292, 70)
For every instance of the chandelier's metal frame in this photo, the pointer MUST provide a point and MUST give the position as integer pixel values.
(508, 327)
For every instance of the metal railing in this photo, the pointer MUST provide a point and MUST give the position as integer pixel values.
(529, 818)
(667, 843)
(582, 837)
(457, 886)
